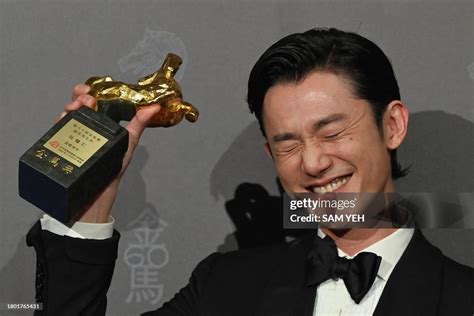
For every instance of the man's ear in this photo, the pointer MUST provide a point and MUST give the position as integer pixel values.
(268, 150)
(395, 124)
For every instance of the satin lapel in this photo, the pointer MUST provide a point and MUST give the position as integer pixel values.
(286, 294)
(415, 284)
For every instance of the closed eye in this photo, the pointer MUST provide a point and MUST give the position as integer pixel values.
(286, 150)
(332, 136)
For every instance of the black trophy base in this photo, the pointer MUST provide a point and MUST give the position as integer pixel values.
(72, 163)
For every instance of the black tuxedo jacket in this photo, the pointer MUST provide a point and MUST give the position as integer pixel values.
(73, 277)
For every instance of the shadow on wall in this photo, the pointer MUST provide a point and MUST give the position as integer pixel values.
(258, 217)
(244, 161)
(438, 149)
(244, 178)
(131, 205)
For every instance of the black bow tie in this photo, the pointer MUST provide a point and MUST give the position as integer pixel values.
(358, 273)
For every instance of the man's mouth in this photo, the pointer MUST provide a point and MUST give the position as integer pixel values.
(332, 186)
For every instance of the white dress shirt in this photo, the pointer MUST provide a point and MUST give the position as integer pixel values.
(332, 297)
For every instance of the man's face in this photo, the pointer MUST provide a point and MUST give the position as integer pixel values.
(322, 139)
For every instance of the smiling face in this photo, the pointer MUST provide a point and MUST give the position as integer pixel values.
(323, 139)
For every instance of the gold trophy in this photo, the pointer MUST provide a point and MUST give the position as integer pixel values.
(77, 158)
(120, 101)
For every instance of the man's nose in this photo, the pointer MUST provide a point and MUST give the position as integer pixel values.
(314, 160)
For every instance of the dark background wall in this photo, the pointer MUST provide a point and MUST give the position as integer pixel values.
(181, 177)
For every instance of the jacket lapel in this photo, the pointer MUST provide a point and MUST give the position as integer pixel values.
(414, 286)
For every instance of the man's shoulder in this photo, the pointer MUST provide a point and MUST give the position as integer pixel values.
(457, 286)
(454, 280)
(262, 257)
(254, 266)
(457, 269)
(451, 268)
(458, 278)
(226, 280)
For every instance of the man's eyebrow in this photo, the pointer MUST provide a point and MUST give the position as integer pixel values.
(328, 120)
(283, 136)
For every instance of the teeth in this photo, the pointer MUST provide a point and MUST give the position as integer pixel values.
(332, 186)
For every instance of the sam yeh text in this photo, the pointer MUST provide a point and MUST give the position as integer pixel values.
(328, 218)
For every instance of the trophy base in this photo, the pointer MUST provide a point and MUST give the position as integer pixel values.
(72, 163)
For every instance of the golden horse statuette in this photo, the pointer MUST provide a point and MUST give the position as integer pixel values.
(120, 101)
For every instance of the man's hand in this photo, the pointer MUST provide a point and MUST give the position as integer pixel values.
(99, 210)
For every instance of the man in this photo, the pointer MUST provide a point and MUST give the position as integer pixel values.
(329, 106)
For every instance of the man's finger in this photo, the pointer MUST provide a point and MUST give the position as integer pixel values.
(81, 100)
(58, 118)
(140, 121)
(79, 89)
(86, 100)
(72, 106)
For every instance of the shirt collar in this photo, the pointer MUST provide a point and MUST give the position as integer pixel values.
(390, 249)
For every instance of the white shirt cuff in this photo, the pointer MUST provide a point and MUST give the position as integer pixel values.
(79, 229)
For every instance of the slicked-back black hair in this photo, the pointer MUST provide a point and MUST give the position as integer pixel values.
(347, 54)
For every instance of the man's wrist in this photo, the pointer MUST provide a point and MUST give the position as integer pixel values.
(96, 218)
